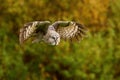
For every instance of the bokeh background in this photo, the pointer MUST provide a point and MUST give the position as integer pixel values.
(97, 57)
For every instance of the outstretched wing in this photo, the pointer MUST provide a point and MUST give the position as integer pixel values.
(70, 30)
(31, 29)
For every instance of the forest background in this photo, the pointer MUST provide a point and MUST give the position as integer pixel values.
(96, 57)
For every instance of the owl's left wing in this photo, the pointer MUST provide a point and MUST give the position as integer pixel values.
(70, 30)
(32, 29)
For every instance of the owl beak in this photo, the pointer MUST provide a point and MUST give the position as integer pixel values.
(56, 41)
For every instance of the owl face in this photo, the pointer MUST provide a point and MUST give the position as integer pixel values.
(52, 38)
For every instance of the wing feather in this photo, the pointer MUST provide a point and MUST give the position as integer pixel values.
(32, 28)
(70, 30)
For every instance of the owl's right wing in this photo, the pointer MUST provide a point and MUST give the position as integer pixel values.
(32, 28)
(70, 30)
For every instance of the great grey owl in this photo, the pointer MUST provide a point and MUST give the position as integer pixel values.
(52, 33)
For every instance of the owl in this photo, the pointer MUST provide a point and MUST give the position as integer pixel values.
(52, 33)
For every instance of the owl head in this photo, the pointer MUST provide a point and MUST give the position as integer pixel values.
(52, 38)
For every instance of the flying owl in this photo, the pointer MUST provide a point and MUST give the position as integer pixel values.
(52, 33)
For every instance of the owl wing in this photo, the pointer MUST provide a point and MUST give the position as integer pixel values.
(32, 29)
(70, 30)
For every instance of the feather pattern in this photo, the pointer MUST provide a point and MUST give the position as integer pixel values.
(72, 30)
(31, 28)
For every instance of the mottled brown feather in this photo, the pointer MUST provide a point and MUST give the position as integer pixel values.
(32, 28)
(72, 31)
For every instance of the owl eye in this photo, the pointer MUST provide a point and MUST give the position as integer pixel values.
(53, 37)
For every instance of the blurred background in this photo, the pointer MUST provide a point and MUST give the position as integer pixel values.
(94, 58)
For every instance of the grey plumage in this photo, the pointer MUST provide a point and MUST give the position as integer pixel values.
(52, 33)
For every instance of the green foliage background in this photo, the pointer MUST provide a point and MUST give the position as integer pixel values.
(95, 58)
